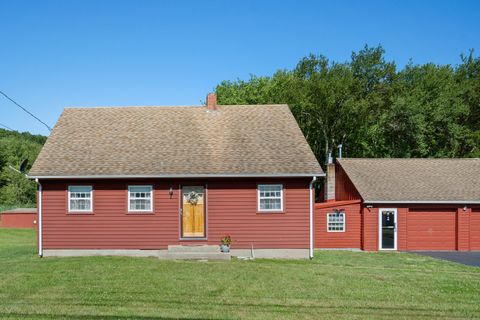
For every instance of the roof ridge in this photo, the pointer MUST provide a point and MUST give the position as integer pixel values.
(122, 107)
(173, 106)
(253, 105)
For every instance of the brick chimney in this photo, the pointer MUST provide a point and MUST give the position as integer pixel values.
(330, 188)
(211, 101)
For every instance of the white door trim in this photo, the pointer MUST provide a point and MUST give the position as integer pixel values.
(380, 210)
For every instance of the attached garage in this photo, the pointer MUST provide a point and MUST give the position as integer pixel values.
(431, 229)
(405, 204)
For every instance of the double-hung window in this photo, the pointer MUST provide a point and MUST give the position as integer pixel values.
(336, 222)
(80, 198)
(270, 197)
(140, 198)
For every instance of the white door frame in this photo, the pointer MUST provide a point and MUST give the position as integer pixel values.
(380, 210)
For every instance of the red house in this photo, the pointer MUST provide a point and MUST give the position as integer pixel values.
(143, 180)
(400, 204)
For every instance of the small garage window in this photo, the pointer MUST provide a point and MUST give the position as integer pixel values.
(336, 222)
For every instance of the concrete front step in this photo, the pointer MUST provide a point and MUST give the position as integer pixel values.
(193, 249)
(194, 252)
(196, 256)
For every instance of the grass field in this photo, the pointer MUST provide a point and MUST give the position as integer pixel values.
(334, 285)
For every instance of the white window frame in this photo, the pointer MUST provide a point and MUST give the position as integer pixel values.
(151, 198)
(69, 198)
(344, 221)
(259, 198)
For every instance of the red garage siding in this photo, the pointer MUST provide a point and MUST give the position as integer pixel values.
(431, 229)
(231, 209)
(370, 229)
(351, 238)
(419, 227)
(475, 229)
(344, 188)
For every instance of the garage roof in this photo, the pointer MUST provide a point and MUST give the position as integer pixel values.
(415, 180)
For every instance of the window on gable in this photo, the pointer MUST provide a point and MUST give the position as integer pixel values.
(140, 198)
(270, 197)
(80, 198)
(336, 222)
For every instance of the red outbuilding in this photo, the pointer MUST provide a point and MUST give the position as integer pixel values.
(400, 204)
(157, 180)
(19, 218)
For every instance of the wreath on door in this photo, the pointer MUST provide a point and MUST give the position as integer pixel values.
(192, 197)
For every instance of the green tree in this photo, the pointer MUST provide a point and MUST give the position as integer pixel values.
(373, 109)
(15, 189)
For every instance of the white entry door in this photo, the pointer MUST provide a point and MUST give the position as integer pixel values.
(387, 229)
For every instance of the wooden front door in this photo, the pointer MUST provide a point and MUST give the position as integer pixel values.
(193, 212)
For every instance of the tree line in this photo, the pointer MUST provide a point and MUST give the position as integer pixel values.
(15, 189)
(367, 104)
(373, 108)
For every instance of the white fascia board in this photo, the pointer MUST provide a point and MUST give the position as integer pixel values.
(255, 175)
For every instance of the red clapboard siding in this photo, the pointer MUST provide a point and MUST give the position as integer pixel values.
(402, 236)
(231, 209)
(463, 229)
(351, 238)
(475, 229)
(431, 229)
(370, 229)
(344, 188)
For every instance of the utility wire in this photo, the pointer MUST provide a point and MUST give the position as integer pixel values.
(8, 128)
(18, 105)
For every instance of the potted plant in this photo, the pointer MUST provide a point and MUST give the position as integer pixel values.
(225, 244)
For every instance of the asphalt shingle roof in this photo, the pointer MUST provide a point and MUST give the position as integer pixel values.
(255, 140)
(415, 180)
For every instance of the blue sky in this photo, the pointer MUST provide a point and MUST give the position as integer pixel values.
(55, 54)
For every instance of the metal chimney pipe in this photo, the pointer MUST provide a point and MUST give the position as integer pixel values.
(339, 151)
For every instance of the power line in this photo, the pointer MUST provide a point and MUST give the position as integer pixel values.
(18, 105)
(8, 128)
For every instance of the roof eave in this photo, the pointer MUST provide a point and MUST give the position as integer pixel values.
(253, 175)
(422, 201)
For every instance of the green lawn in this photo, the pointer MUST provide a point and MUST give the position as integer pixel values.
(334, 285)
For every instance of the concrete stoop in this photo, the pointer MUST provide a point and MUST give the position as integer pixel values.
(194, 252)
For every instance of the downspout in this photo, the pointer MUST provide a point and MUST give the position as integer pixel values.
(311, 216)
(40, 244)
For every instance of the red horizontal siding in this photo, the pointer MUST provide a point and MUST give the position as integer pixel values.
(475, 229)
(419, 227)
(344, 188)
(351, 238)
(231, 209)
(402, 236)
(463, 229)
(370, 229)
